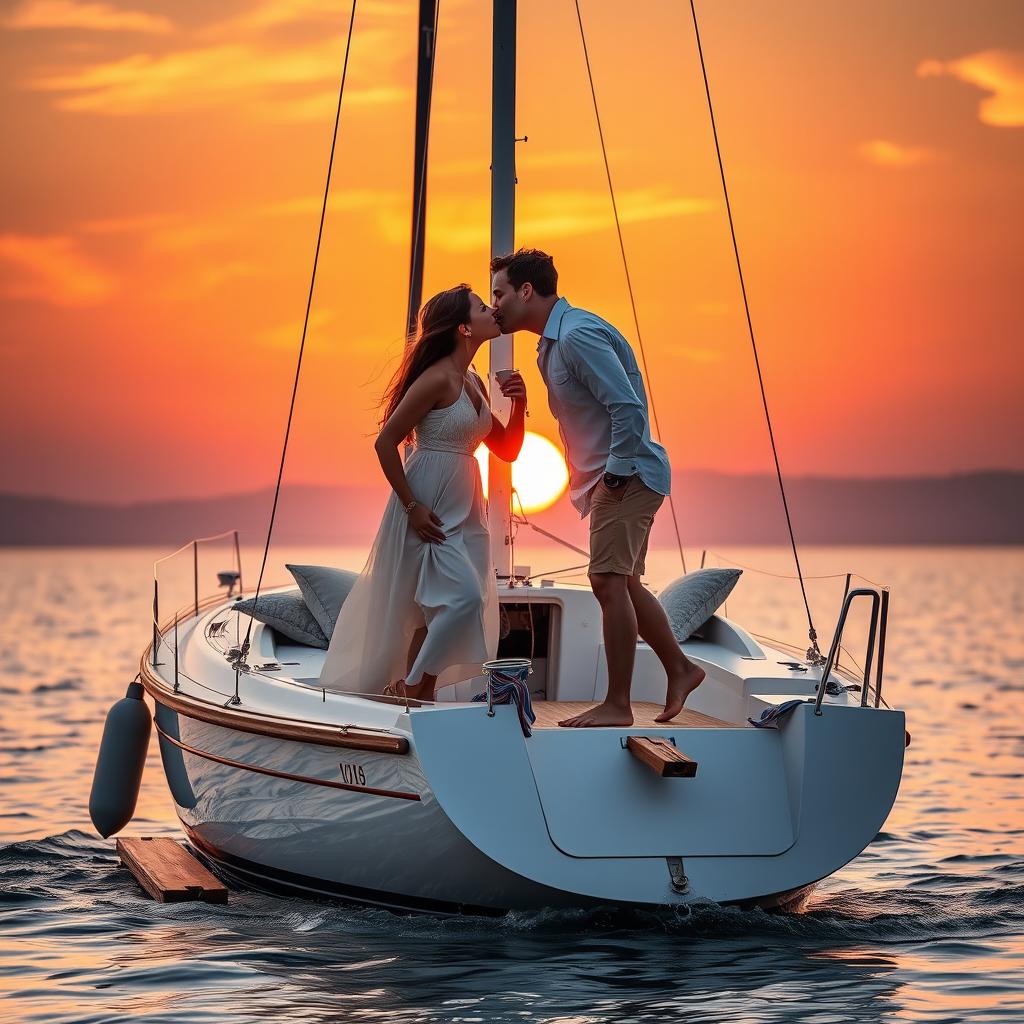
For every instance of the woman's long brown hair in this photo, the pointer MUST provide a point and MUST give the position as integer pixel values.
(439, 319)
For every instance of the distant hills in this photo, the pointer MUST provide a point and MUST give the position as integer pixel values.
(713, 508)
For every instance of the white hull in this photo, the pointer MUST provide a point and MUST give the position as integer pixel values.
(475, 817)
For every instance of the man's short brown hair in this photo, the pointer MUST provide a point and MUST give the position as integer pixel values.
(529, 265)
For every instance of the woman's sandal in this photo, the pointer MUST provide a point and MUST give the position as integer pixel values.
(398, 690)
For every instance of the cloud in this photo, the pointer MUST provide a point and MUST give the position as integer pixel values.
(998, 72)
(703, 356)
(893, 154)
(61, 14)
(459, 224)
(124, 225)
(277, 14)
(287, 335)
(193, 79)
(527, 162)
(208, 77)
(342, 200)
(185, 80)
(321, 106)
(217, 275)
(51, 269)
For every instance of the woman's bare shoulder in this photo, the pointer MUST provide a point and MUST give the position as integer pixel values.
(433, 380)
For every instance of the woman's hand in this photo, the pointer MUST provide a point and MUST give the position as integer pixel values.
(513, 387)
(426, 524)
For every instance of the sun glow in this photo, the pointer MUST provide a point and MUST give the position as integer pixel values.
(539, 475)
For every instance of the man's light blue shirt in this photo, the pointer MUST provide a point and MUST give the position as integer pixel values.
(596, 393)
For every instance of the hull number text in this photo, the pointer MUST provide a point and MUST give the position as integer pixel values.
(353, 774)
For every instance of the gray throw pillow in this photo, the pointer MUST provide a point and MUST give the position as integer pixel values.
(692, 599)
(324, 590)
(288, 614)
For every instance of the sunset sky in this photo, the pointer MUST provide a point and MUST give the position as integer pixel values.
(162, 164)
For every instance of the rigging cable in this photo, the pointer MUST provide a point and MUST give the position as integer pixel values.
(305, 322)
(625, 266)
(814, 653)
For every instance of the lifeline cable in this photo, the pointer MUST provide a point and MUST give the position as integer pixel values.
(811, 633)
(305, 322)
(625, 266)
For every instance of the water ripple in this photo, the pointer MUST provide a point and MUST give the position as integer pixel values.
(925, 926)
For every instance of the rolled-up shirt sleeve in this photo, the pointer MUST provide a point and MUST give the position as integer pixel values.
(596, 365)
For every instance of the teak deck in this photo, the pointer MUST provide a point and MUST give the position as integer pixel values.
(550, 712)
(168, 872)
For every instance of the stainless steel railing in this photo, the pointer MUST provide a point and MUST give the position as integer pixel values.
(876, 637)
(227, 579)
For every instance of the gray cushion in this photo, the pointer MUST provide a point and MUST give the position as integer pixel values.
(288, 614)
(324, 591)
(692, 599)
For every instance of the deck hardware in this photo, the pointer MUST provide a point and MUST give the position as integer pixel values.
(677, 875)
(217, 629)
(156, 627)
(235, 699)
(195, 575)
(794, 666)
(229, 579)
(236, 658)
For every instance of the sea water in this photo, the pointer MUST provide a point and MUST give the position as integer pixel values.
(924, 926)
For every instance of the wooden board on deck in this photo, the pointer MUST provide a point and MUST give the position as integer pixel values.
(550, 712)
(168, 872)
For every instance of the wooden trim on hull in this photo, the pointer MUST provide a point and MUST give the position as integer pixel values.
(259, 770)
(269, 725)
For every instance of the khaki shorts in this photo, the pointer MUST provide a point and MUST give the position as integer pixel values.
(620, 526)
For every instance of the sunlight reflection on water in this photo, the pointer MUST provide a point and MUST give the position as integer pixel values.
(924, 926)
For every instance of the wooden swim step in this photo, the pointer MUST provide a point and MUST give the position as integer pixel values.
(661, 757)
(168, 872)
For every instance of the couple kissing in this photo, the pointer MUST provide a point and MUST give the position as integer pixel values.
(423, 613)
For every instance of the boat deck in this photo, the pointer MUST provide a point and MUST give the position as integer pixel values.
(550, 712)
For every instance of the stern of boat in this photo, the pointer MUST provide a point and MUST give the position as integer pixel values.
(769, 811)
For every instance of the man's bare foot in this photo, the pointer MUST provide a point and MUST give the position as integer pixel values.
(679, 688)
(602, 715)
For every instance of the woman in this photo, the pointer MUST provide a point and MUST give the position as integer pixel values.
(424, 612)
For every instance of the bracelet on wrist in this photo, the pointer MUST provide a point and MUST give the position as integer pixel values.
(411, 506)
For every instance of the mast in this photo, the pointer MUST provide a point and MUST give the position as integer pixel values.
(503, 215)
(424, 90)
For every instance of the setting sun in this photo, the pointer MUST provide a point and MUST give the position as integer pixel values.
(539, 475)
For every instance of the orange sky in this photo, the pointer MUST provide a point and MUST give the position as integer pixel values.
(160, 183)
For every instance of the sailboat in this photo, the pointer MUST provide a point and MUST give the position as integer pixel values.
(450, 807)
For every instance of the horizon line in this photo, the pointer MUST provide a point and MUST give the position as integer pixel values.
(382, 484)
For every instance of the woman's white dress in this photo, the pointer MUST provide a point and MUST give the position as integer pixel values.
(408, 583)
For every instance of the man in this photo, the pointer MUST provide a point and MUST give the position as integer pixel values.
(618, 475)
